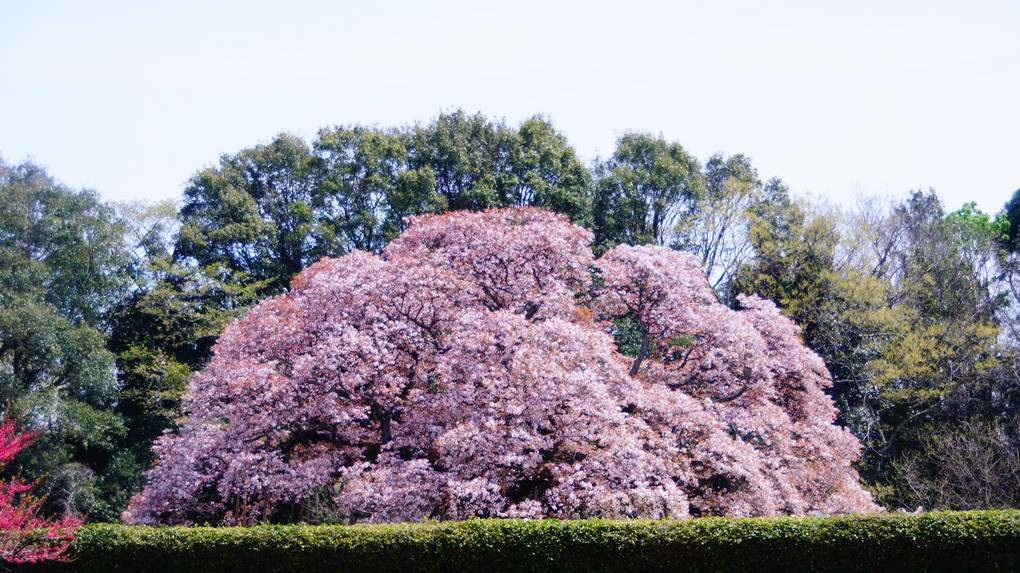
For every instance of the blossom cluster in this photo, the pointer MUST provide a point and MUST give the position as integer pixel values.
(472, 369)
(26, 536)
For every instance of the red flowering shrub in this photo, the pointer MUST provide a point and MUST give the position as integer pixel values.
(471, 370)
(24, 536)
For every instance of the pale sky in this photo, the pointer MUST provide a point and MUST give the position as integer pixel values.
(871, 97)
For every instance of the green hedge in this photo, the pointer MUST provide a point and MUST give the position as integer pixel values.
(949, 541)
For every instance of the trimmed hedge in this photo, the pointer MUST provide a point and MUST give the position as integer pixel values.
(941, 541)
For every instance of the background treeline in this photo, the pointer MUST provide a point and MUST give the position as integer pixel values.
(105, 310)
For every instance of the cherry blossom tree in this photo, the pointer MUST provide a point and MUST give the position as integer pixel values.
(473, 369)
(25, 537)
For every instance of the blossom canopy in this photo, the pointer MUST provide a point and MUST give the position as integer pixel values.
(474, 368)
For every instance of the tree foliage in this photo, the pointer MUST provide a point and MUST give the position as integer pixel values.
(267, 212)
(252, 214)
(643, 190)
(456, 375)
(900, 299)
(62, 269)
(717, 228)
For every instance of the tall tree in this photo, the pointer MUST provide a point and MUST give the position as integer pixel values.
(456, 375)
(548, 172)
(897, 300)
(936, 361)
(474, 163)
(359, 184)
(643, 190)
(1009, 223)
(62, 269)
(468, 158)
(1006, 231)
(253, 214)
(269, 211)
(164, 330)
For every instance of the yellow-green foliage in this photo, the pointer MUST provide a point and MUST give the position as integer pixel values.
(945, 541)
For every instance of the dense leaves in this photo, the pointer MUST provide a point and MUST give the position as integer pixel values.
(62, 269)
(901, 300)
(950, 542)
(644, 190)
(253, 214)
(267, 212)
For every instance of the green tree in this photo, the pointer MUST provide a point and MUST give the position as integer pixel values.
(468, 158)
(462, 161)
(1006, 231)
(548, 172)
(899, 303)
(943, 363)
(643, 190)
(1008, 223)
(267, 212)
(62, 269)
(163, 331)
(360, 180)
(253, 214)
(810, 259)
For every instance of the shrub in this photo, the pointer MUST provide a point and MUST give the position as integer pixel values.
(972, 541)
(25, 536)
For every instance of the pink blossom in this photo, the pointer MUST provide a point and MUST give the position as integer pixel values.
(471, 370)
(25, 536)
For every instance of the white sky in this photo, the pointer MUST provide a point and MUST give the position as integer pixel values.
(872, 97)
